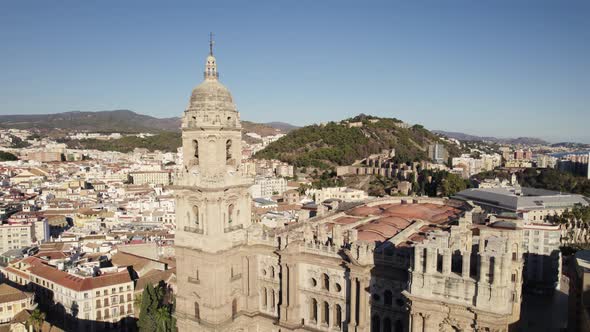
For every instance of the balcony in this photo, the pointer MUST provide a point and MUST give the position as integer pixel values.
(232, 228)
(193, 230)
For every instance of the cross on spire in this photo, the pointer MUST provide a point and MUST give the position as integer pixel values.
(211, 42)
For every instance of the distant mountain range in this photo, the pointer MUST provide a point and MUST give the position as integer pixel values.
(102, 121)
(123, 121)
(468, 137)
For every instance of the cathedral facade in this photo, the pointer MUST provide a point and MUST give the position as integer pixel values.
(348, 269)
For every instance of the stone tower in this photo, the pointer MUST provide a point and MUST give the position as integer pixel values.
(212, 210)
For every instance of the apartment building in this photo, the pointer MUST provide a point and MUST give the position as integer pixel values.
(151, 177)
(105, 299)
(268, 186)
(13, 301)
(542, 268)
(16, 236)
(342, 193)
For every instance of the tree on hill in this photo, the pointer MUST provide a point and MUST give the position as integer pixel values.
(452, 184)
(18, 143)
(552, 179)
(165, 141)
(332, 144)
(7, 156)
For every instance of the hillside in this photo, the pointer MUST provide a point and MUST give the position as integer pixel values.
(123, 121)
(168, 141)
(335, 144)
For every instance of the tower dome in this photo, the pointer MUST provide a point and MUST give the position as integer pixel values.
(211, 103)
(211, 95)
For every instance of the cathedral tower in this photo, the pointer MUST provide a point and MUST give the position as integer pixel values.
(213, 210)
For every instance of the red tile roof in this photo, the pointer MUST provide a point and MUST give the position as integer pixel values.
(79, 283)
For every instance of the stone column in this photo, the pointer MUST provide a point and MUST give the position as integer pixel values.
(331, 315)
(321, 312)
(430, 260)
(506, 269)
(466, 265)
(285, 291)
(363, 301)
(417, 323)
(497, 273)
(418, 260)
(482, 245)
(353, 307)
(430, 323)
(446, 266)
(293, 295)
(484, 269)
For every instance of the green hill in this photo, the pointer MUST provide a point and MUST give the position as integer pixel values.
(335, 143)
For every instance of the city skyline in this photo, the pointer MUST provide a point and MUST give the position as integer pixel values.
(165, 210)
(449, 67)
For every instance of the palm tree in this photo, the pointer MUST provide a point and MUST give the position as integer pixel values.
(36, 319)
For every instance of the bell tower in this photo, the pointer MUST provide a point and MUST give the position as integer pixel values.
(213, 209)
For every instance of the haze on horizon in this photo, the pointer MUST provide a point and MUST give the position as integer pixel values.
(501, 68)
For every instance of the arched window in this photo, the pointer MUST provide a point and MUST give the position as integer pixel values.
(228, 155)
(196, 214)
(313, 282)
(326, 281)
(196, 151)
(515, 252)
(230, 213)
(376, 323)
(387, 325)
(388, 298)
(234, 308)
(338, 318)
(326, 318)
(313, 310)
(264, 298)
(272, 272)
(272, 300)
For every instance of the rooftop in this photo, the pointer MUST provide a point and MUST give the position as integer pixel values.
(11, 294)
(528, 199)
(387, 220)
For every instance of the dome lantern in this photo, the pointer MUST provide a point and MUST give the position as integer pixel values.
(211, 65)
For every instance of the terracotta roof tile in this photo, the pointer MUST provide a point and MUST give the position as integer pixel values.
(79, 283)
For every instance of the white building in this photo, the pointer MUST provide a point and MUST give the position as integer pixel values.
(95, 300)
(268, 186)
(542, 267)
(342, 193)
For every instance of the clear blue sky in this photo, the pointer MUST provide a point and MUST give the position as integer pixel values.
(502, 68)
